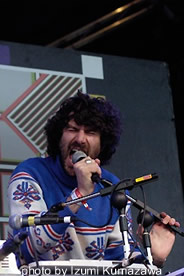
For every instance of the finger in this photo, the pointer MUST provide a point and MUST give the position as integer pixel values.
(97, 161)
(88, 161)
(177, 224)
(172, 221)
(168, 220)
(93, 165)
(163, 214)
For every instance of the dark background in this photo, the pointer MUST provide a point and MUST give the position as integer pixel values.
(154, 34)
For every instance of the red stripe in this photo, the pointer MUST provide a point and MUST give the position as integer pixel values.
(34, 212)
(50, 230)
(29, 246)
(18, 174)
(24, 95)
(93, 230)
(21, 136)
(113, 245)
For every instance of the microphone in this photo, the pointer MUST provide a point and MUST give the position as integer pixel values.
(11, 245)
(78, 156)
(18, 221)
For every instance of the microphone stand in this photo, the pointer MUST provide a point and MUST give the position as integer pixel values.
(127, 184)
(119, 201)
(146, 219)
(12, 245)
(122, 185)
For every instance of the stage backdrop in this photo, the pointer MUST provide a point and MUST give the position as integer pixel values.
(33, 82)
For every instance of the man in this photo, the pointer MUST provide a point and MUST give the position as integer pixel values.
(93, 126)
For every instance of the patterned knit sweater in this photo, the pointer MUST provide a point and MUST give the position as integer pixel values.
(36, 185)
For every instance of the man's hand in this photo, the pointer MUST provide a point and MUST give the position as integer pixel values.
(162, 238)
(83, 170)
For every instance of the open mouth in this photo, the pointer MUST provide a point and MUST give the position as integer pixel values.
(80, 154)
(72, 151)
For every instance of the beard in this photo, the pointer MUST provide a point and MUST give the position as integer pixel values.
(66, 152)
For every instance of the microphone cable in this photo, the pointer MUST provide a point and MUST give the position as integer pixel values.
(136, 244)
(115, 186)
(145, 261)
(144, 202)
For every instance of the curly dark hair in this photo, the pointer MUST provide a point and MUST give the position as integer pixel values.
(93, 112)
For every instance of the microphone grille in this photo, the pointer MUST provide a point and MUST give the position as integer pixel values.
(15, 221)
(77, 156)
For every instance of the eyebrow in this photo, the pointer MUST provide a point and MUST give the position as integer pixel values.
(87, 128)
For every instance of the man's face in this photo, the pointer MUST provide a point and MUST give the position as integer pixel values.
(77, 137)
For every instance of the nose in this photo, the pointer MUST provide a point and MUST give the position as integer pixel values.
(81, 137)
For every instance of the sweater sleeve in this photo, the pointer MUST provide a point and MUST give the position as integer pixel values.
(25, 197)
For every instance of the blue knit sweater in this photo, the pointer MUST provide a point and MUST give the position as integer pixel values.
(36, 185)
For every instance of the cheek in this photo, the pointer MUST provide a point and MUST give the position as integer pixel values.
(96, 146)
(63, 141)
(64, 145)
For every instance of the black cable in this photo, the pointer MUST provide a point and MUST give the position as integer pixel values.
(144, 202)
(98, 226)
(111, 210)
(139, 248)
